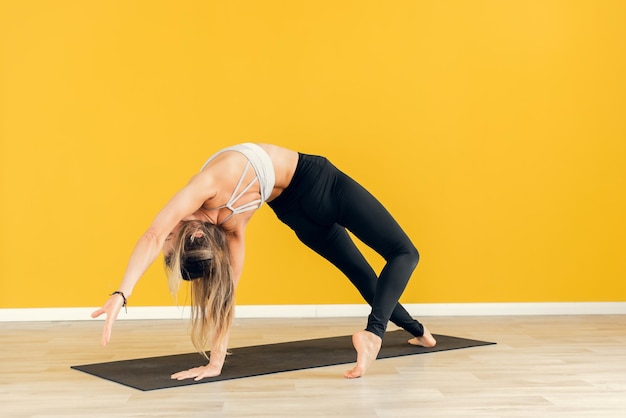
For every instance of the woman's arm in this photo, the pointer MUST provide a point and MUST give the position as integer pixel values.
(184, 203)
(236, 246)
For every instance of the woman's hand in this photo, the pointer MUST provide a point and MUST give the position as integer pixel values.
(111, 308)
(198, 373)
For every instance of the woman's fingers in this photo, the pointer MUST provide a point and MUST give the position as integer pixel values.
(197, 373)
(97, 313)
(106, 333)
(185, 374)
(111, 308)
(188, 374)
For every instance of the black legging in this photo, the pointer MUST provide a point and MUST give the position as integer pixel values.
(319, 204)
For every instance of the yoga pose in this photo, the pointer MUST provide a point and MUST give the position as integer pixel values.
(201, 233)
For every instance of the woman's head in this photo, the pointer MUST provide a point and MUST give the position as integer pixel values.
(193, 250)
(198, 252)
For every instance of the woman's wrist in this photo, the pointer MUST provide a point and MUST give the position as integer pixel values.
(217, 359)
(124, 299)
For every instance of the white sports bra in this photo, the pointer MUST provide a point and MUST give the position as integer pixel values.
(265, 176)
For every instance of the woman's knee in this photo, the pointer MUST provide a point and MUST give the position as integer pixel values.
(409, 255)
(413, 255)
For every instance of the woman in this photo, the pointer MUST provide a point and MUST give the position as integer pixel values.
(201, 233)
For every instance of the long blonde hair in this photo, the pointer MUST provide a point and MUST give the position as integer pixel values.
(201, 256)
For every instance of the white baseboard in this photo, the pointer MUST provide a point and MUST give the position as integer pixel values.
(328, 311)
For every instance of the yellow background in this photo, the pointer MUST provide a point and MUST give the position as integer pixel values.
(494, 131)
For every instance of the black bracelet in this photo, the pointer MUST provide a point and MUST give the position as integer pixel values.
(117, 292)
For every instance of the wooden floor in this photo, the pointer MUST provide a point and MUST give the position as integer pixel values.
(549, 366)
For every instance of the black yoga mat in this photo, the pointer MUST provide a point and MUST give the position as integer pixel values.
(154, 372)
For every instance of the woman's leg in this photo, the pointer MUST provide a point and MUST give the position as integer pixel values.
(324, 199)
(317, 205)
(368, 220)
(336, 246)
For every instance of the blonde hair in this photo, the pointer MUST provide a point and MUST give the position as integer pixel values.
(202, 247)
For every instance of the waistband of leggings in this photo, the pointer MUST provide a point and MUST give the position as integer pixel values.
(304, 160)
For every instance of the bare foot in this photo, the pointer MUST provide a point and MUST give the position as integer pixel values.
(367, 346)
(427, 340)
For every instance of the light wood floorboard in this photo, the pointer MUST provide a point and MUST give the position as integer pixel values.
(548, 366)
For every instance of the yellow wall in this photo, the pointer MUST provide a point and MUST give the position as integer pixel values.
(494, 131)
